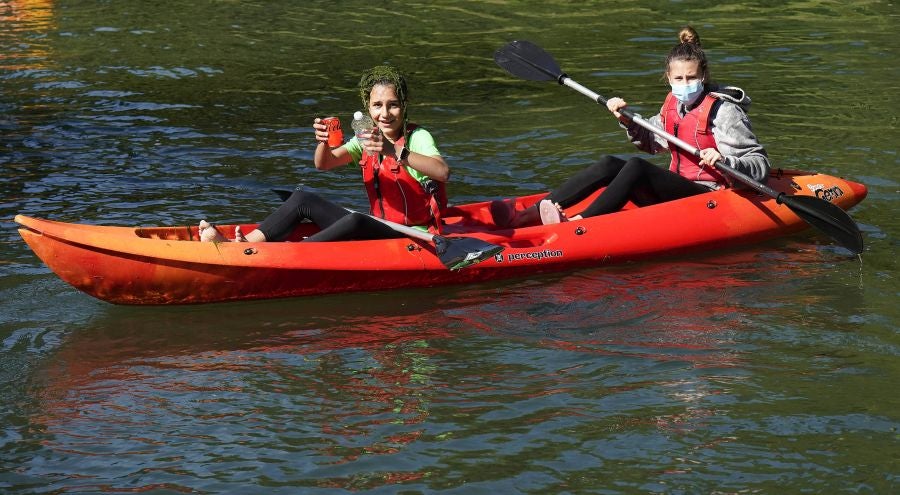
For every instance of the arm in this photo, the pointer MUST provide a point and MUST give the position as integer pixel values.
(432, 166)
(423, 155)
(325, 158)
(737, 144)
(642, 138)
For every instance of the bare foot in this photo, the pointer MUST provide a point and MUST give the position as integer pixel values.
(551, 213)
(239, 234)
(505, 215)
(208, 233)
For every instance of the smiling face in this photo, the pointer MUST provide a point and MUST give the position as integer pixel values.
(684, 72)
(386, 110)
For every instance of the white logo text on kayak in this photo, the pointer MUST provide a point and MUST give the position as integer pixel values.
(829, 194)
(535, 255)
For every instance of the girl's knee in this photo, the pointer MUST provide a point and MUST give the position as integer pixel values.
(635, 161)
(597, 168)
(302, 197)
(604, 164)
(637, 165)
(356, 220)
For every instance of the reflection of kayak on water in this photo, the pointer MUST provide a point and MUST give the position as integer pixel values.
(166, 265)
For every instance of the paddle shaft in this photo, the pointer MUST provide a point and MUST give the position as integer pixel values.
(454, 252)
(284, 193)
(403, 229)
(741, 177)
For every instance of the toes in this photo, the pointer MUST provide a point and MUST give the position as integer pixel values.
(239, 234)
(207, 232)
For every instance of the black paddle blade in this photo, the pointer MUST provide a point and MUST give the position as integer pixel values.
(460, 252)
(827, 217)
(528, 61)
(283, 192)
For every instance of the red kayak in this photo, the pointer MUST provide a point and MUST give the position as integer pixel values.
(167, 265)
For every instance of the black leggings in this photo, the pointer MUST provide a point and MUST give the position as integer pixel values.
(337, 223)
(635, 179)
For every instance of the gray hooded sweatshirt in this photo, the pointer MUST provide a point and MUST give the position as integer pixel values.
(730, 127)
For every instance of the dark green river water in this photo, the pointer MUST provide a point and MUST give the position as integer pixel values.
(768, 369)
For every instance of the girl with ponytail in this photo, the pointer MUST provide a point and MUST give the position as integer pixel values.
(710, 117)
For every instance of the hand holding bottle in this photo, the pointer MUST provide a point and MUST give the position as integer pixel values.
(364, 127)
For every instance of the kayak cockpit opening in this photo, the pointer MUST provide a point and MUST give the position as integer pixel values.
(190, 233)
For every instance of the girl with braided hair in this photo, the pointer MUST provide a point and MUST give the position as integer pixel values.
(403, 173)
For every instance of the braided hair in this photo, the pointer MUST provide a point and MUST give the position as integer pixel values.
(384, 75)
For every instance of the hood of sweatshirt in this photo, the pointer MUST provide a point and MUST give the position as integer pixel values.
(733, 94)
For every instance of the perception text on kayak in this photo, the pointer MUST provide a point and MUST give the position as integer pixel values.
(537, 255)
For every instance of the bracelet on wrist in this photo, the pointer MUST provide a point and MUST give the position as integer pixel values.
(403, 155)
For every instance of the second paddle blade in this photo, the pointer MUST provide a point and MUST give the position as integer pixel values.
(827, 217)
(528, 61)
(459, 252)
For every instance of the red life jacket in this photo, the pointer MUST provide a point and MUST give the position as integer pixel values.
(397, 196)
(694, 129)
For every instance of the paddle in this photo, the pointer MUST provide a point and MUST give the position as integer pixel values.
(454, 252)
(530, 62)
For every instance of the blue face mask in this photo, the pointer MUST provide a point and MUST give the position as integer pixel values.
(687, 93)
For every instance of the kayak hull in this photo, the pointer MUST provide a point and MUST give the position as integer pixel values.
(167, 265)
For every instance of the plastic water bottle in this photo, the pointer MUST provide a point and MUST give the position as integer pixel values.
(361, 124)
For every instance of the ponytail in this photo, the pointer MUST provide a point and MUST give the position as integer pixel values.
(689, 35)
